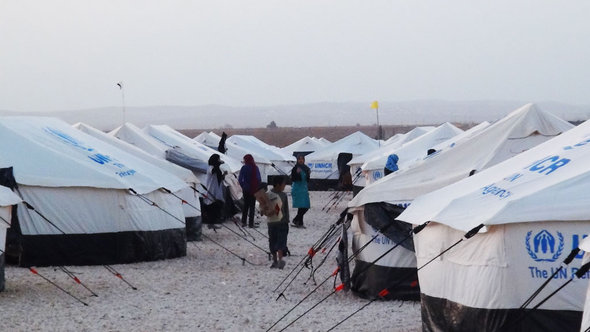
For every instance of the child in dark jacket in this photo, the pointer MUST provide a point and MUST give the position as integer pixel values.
(278, 221)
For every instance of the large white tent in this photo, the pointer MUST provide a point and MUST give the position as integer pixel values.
(400, 139)
(304, 146)
(467, 134)
(238, 152)
(174, 139)
(520, 130)
(372, 163)
(324, 163)
(7, 200)
(209, 139)
(283, 162)
(535, 209)
(92, 192)
(383, 200)
(187, 194)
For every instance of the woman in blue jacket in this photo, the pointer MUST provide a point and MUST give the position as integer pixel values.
(299, 192)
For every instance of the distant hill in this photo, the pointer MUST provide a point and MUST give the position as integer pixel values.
(409, 113)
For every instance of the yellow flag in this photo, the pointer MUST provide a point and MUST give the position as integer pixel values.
(375, 105)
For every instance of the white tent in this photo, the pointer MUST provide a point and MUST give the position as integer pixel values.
(467, 134)
(304, 146)
(372, 163)
(283, 162)
(83, 186)
(133, 135)
(190, 147)
(520, 130)
(187, 194)
(323, 163)
(400, 139)
(7, 200)
(535, 209)
(209, 139)
(238, 152)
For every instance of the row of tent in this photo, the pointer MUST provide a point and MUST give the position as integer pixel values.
(503, 205)
(74, 195)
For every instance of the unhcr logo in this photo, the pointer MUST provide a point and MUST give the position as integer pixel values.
(377, 175)
(543, 247)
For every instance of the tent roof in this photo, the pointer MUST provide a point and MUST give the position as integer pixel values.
(133, 135)
(235, 151)
(303, 145)
(356, 143)
(518, 131)
(256, 147)
(180, 172)
(547, 182)
(209, 139)
(410, 135)
(188, 146)
(50, 153)
(462, 136)
(408, 152)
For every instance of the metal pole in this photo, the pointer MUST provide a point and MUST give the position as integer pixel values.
(120, 85)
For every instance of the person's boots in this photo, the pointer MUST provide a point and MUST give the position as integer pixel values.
(295, 221)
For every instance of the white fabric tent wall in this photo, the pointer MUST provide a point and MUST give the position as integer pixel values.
(282, 161)
(173, 138)
(408, 153)
(238, 152)
(519, 131)
(453, 164)
(209, 139)
(306, 144)
(363, 233)
(55, 165)
(186, 193)
(467, 134)
(70, 158)
(323, 162)
(539, 193)
(135, 136)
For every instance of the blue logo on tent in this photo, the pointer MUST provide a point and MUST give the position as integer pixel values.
(543, 247)
(67, 138)
(377, 175)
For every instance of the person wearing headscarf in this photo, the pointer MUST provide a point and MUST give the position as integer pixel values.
(249, 180)
(391, 165)
(299, 191)
(214, 199)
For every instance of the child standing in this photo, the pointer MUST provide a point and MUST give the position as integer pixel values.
(278, 221)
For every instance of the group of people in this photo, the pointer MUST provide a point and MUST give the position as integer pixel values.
(274, 203)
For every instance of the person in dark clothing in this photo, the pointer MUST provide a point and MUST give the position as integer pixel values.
(214, 199)
(300, 177)
(221, 147)
(249, 180)
(278, 222)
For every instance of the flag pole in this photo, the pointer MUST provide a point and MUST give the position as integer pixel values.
(375, 105)
(120, 85)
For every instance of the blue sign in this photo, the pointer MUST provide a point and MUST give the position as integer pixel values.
(97, 157)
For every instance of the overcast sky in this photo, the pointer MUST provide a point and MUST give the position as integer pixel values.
(59, 55)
